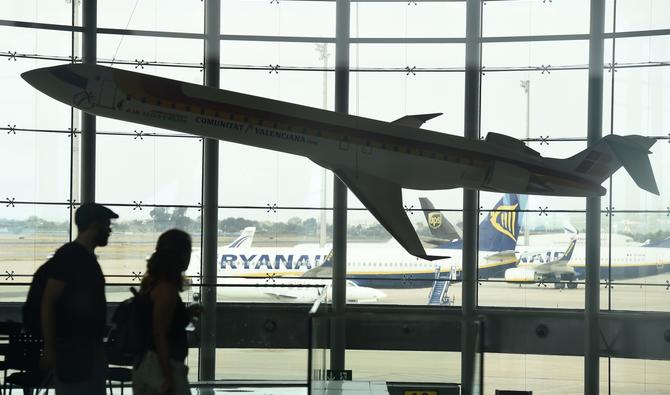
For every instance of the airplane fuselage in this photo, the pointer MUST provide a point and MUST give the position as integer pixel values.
(330, 139)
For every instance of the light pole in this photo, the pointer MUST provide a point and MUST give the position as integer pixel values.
(323, 55)
(525, 84)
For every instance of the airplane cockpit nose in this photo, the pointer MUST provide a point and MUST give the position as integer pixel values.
(35, 77)
(60, 82)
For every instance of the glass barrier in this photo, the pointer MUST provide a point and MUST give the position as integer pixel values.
(323, 377)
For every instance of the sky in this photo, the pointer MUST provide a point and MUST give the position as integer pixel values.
(167, 170)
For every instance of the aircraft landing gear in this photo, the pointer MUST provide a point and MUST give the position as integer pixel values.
(571, 281)
(559, 285)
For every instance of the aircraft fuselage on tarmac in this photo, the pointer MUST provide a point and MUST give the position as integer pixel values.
(375, 159)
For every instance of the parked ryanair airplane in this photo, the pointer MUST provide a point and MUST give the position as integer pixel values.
(563, 267)
(566, 268)
(380, 265)
(546, 267)
(627, 262)
(386, 264)
(268, 285)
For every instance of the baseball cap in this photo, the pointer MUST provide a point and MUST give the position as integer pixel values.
(88, 213)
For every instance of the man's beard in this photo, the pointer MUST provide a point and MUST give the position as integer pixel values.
(102, 240)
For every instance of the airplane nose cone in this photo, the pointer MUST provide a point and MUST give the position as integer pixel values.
(37, 77)
(63, 83)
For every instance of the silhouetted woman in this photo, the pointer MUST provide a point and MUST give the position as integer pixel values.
(162, 369)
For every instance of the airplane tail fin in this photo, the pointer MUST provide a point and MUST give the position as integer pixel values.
(568, 252)
(597, 163)
(500, 228)
(324, 270)
(438, 225)
(245, 238)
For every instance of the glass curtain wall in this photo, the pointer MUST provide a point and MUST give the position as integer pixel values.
(405, 58)
(535, 88)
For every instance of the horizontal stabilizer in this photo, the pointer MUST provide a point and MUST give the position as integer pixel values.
(599, 161)
(417, 120)
(384, 200)
(634, 156)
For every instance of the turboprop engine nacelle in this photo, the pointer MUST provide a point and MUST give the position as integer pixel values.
(521, 275)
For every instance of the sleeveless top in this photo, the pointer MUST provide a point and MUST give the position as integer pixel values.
(176, 335)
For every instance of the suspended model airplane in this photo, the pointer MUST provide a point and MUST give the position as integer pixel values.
(375, 159)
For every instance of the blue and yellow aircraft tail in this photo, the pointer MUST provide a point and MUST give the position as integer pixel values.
(497, 232)
(500, 228)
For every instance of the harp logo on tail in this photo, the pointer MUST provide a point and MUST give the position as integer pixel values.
(503, 219)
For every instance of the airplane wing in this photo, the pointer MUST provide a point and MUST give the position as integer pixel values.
(319, 272)
(384, 200)
(325, 270)
(281, 295)
(500, 258)
(501, 255)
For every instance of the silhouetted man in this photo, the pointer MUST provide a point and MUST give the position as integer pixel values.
(73, 309)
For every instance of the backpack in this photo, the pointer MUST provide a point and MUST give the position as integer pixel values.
(32, 308)
(130, 325)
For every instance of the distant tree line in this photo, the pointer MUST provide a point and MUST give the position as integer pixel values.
(162, 218)
(31, 224)
(299, 227)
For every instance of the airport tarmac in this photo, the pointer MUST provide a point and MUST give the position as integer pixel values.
(539, 373)
(544, 375)
(642, 294)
